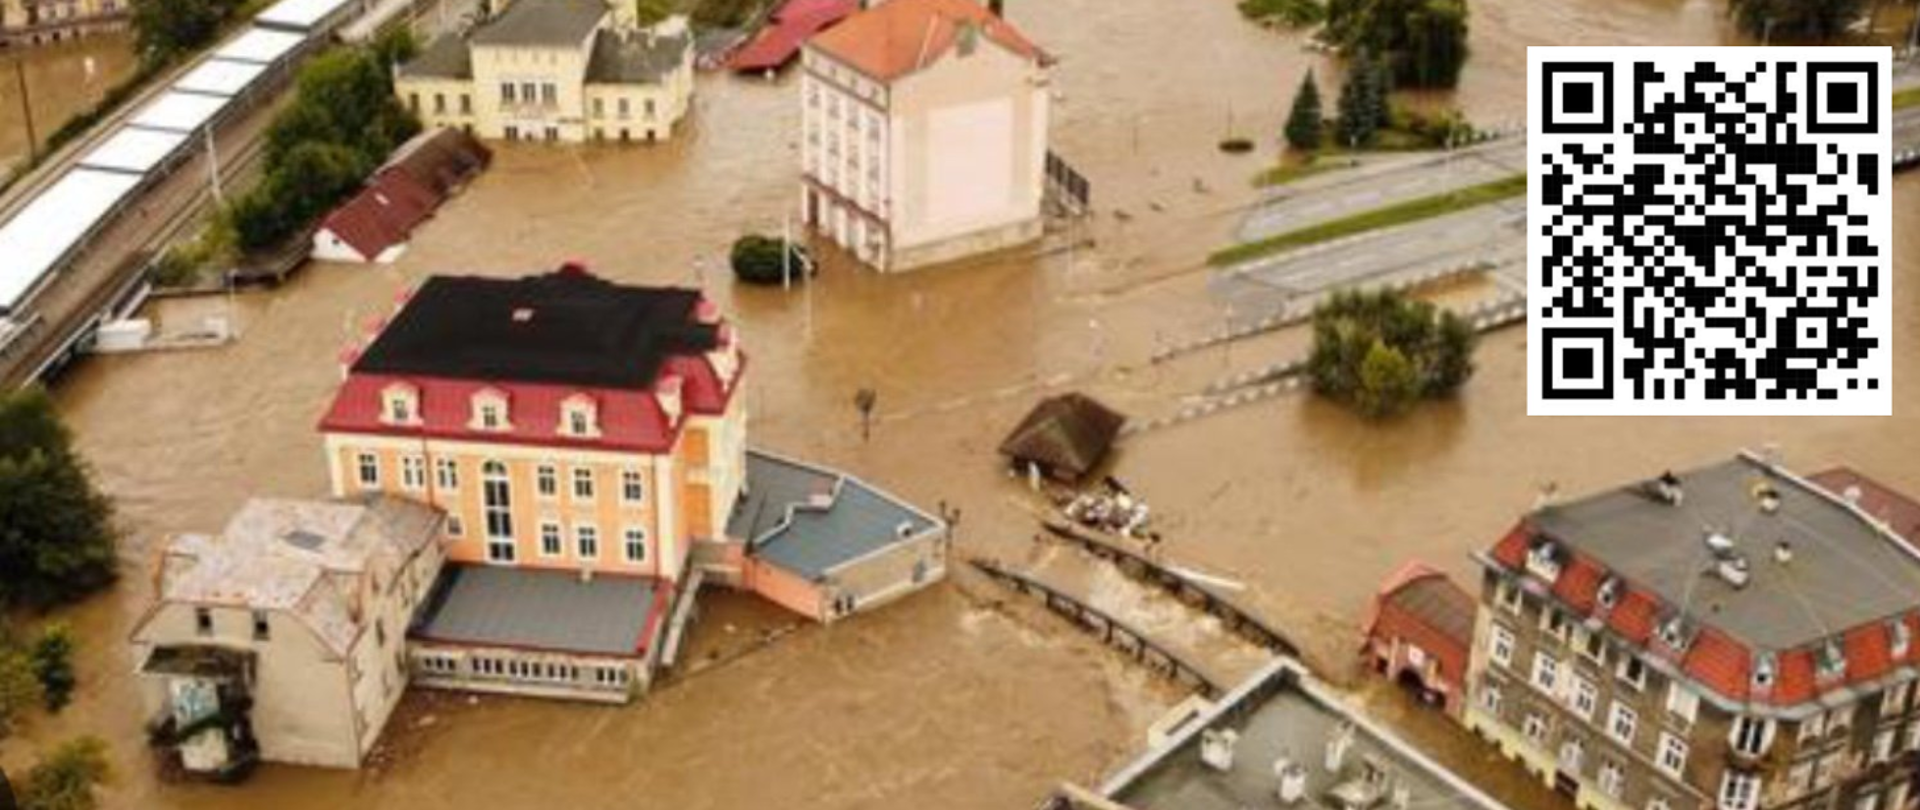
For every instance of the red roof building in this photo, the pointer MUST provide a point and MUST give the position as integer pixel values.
(779, 41)
(1419, 633)
(375, 225)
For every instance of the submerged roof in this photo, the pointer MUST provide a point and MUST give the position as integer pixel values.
(899, 37)
(636, 57)
(1070, 432)
(567, 327)
(810, 520)
(530, 608)
(542, 22)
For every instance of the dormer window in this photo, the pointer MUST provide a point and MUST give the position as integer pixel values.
(1766, 668)
(490, 411)
(1899, 638)
(1675, 634)
(579, 417)
(400, 405)
(1544, 559)
(1830, 661)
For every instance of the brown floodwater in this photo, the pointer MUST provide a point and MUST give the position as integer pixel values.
(63, 79)
(962, 697)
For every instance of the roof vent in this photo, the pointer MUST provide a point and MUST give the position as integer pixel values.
(304, 540)
(1852, 494)
(1734, 571)
(1609, 594)
(1767, 496)
(904, 530)
(1721, 546)
(522, 314)
(1765, 667)
(1783, 552)
(1667, 488)
(1675, 634)
(1216, 748)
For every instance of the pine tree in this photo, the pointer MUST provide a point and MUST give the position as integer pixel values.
(1303, 123)
(1360, 103)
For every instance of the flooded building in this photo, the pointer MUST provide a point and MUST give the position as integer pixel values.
(31, 22)
(283, 638)
(555, 70)
(587, 442)
(924, 133)
(1733, 637)
(375, 224)
(1281, 739)
(1420, 633)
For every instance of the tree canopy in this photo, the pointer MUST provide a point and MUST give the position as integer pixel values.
(1363, 102)
(163, 29)
(1423, 41)
(1380, 352)
(56, 538)
(1810, 19)
(756, 260)
(1304, 121)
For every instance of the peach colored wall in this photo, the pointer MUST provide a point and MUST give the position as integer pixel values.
(784, 589)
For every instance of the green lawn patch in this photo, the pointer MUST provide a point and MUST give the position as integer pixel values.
(1906, 98)
(1397, 214)
(1297, 170)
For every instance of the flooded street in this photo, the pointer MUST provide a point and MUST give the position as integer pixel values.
(63, 79)
(965, 696)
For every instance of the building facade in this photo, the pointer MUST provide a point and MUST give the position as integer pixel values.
(1734, 637)
(1419, 633)
(31, 22)
(923, 134)
(556, 70)
(284, 638)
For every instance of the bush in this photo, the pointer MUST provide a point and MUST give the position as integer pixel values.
(65, 778)
(1380, 352)
(164, 29)
(1291, 13)
(1424, 41)
(56, 543)
(19, 685)
(1812, 19)
(756, 260)
(52, 657)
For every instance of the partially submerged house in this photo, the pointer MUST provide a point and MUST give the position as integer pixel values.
(1420, 633)
(1064, 437)
(779, 41)
(375, 224)
(283, 637)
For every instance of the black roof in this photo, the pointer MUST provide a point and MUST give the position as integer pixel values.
(566, 327)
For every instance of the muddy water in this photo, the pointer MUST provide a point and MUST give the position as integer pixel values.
(62, 80)
(950, 699)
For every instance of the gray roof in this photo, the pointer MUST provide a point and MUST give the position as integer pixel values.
(535, 609)
(1845, 570)
(447, 58)
(542, 22)
(810, 520)
(635, 57)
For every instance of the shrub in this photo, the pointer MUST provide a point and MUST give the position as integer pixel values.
(1380, 352)
(65, 778)
(756, 259)
(19, 686)
(52, 657)
(1291, 13)
(56, 542)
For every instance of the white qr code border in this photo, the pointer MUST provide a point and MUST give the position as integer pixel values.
(1583, 342)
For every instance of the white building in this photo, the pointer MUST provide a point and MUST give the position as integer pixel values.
(924, 128)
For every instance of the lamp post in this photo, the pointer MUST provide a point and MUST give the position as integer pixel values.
(26, 109)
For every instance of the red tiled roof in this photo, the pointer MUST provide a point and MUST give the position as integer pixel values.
(1868, 652)
(1633, 617)
(1579, 583)
(1794, 680)
(1511, 551)
(899, 37)
(776, 44)
(382, 214)
(1720, 663)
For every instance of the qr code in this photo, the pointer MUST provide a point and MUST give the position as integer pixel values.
(1708, 231)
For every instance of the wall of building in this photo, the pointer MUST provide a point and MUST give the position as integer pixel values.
(441, 102)
(564, 69)
(890, 573)
(32, 22)
(651, 110)
(528, 673)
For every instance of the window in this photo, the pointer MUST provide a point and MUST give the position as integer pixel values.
(546, 481)
(549, 94)
(583, 483)
(413, 472)
(400, 404)
(1535, 727)
(506, 92)
(587, 537)
(466, 104)
(203, 621)
(577, 417)
(1546, 672)
(552, 133)
(489, 412)
(369, 470)
(439, 102)
(497, 503)
(632, 486)
(1613, 780)
(1586, 698)
(1672, 756)
(1894, 700)
(636, 545)
(1913, 736)
(1623, 723)
(1811, 728)
(455, 528)
(1554, 623)
(649, 107)
(1883, 744)
(1507, 595)
(1501, 648)
(1867, 801)
(447, 473)
(1632, 672)
(1591, 645)
(1751, 735)
(413, 103)
(550, 539)
(1800, 778)
(528, 91)
(1490, 698)
(622, 108)
(1683, 704)
(1739, 791)
(1659, 803)
(599, 108)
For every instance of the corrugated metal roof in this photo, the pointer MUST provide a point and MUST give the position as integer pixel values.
(810, 520)
(540, 609)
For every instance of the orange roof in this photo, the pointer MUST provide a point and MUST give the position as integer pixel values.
(898, 37)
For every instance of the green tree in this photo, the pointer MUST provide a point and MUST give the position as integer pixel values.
(1303, 123)
(56, 540)
(65, 778)
(1424, 41)
(52, 656)
(1360, 103)
(1812, 19)
(163, 29)
(1388, 383)
(650, 12)
(756, 260)
(19, 686)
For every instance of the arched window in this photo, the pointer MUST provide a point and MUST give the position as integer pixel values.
(497, 502)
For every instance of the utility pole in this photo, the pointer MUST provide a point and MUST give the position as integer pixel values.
(26, 109)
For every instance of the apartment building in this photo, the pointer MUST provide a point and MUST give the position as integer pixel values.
(31, 22)
(924, 133)
(1732, 637)
(283, 638)
(555, 70)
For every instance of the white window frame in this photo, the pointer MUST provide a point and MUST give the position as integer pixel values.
(1672, 754)
(1586, 697)
(446, 472)
(1490, 698)
(634, 538)
(367, 469)
(1546, 672)
(553, 541)
(546, 480)
(1739, 791)
(1623, 723)
(490, 412)
(1683, 704)
(1632, 662)
(1507, 595)
(1500, 645)
(1534, 726)
(1612, 778)
(413, 473)
(586, 541)
(583, 483)
(633, 486)
(1750, 735)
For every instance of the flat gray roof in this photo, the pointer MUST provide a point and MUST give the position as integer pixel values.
(1276, 717)
(810, 520)
(529, 608)
(542, 22)
(1844, 571)
(447, 58)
